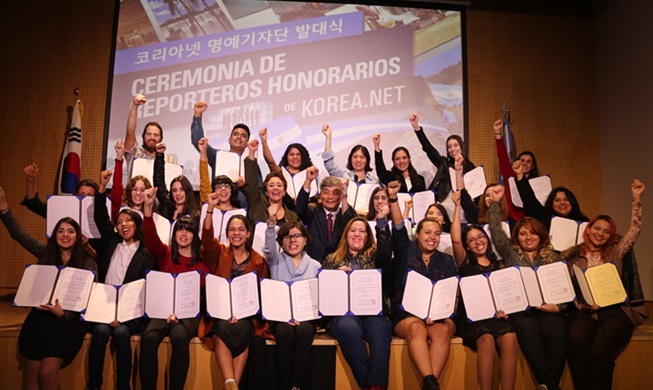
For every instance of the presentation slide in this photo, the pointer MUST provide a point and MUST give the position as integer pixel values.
(290, 67)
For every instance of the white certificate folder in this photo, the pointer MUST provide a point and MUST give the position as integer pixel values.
(172, 294)
(289, 301)
(357, 292)
(237, 297)
(440, 296)
(110, 303)
(45, 284)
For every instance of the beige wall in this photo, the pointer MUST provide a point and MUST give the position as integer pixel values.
(544, 67)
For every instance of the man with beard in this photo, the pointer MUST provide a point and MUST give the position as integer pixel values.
(152, 136)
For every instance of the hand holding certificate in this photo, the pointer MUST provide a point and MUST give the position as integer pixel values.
(601, 285)
(440, 296)
(116, 303)
(45, 284)
(289, 301)
(177, 294)
(356, 292)
(228, 298)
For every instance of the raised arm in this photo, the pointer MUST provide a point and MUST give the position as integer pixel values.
(267, 153)
(159, 178)
(303, 210)
(385, 176)
(270, 249)
(31, 200)
(431, 152)
(16, 231)
(205, 181)
(532, 206)
(383, 254)
(210, 245)
(459, 252)
(132, 120)
(329, 156)
(197, 132)
(628, 240)
(100, 214)
(251, 176)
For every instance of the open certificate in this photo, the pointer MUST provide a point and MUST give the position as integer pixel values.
(477, 297)
(177, 294)
(220, 219)
(145, 167)
(421, 202)
(426, 299)
(229, 164)
(541, 188)
(359, 194)
(601, 285)
(548, 283)
(566, 233)
(110, 303)
(78, 208)
(44, 284)
(296, 182)
(508, 290)
(286, 301)
(237, 297)
(358, 292)
(475, 182)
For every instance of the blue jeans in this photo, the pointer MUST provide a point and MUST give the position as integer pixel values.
(351, 332)
(122, 344)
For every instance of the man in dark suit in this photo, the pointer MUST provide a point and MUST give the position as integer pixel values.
(326, 221)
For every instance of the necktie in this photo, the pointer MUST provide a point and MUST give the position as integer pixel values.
(329, 226)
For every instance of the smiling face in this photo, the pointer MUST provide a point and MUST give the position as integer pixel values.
(561, 204)
(435, 213)
(237, 233)
(528, 240)
(330, 197)
(453, 148)
(224, 192)
(178, 193)
(138, 193)
(401, 160)
(238, 140)
(294, 159)
(151, 137)
(357, 237)
(380, 199)
(358, 161)
(184, 238)
(126, 227)
(274, 190)
(294, 242)
(428, 237)
(599, 233)
(477, 242)
(526, 161)
(66, 236)
(487, 196)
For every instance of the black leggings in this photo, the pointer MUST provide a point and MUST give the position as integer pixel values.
(594, 345)
(180, 335)
(293, 352)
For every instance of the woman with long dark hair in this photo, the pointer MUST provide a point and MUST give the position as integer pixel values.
(473, 254)
(50, 337)
(122, 258)
(441, 183)
(180, 200)
(230, 339)
(182, 255)
(597, 335)
(402, 169)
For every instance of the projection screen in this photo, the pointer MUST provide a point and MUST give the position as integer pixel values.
(290, 67)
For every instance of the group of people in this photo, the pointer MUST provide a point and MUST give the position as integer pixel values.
(306, 233)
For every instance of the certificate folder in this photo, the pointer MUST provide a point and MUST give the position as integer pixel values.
(44, 284)
(287, 301)
(220, 219)
(485, 294)
(357, 292)
(421, 202)
(79, 208)
(548, 283)
(296, 182)
(440, 296)
(177, 294)
(601, 285)
(359, 194)
(109, 303)
(237, 297)
(566, 233)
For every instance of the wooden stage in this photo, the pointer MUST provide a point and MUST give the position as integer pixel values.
(634, 366)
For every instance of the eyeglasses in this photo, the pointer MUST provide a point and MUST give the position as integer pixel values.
(222, 186)
(295, 237)
(479, 238)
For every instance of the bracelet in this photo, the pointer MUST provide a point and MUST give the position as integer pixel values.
(393, 200)
(209, 212)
